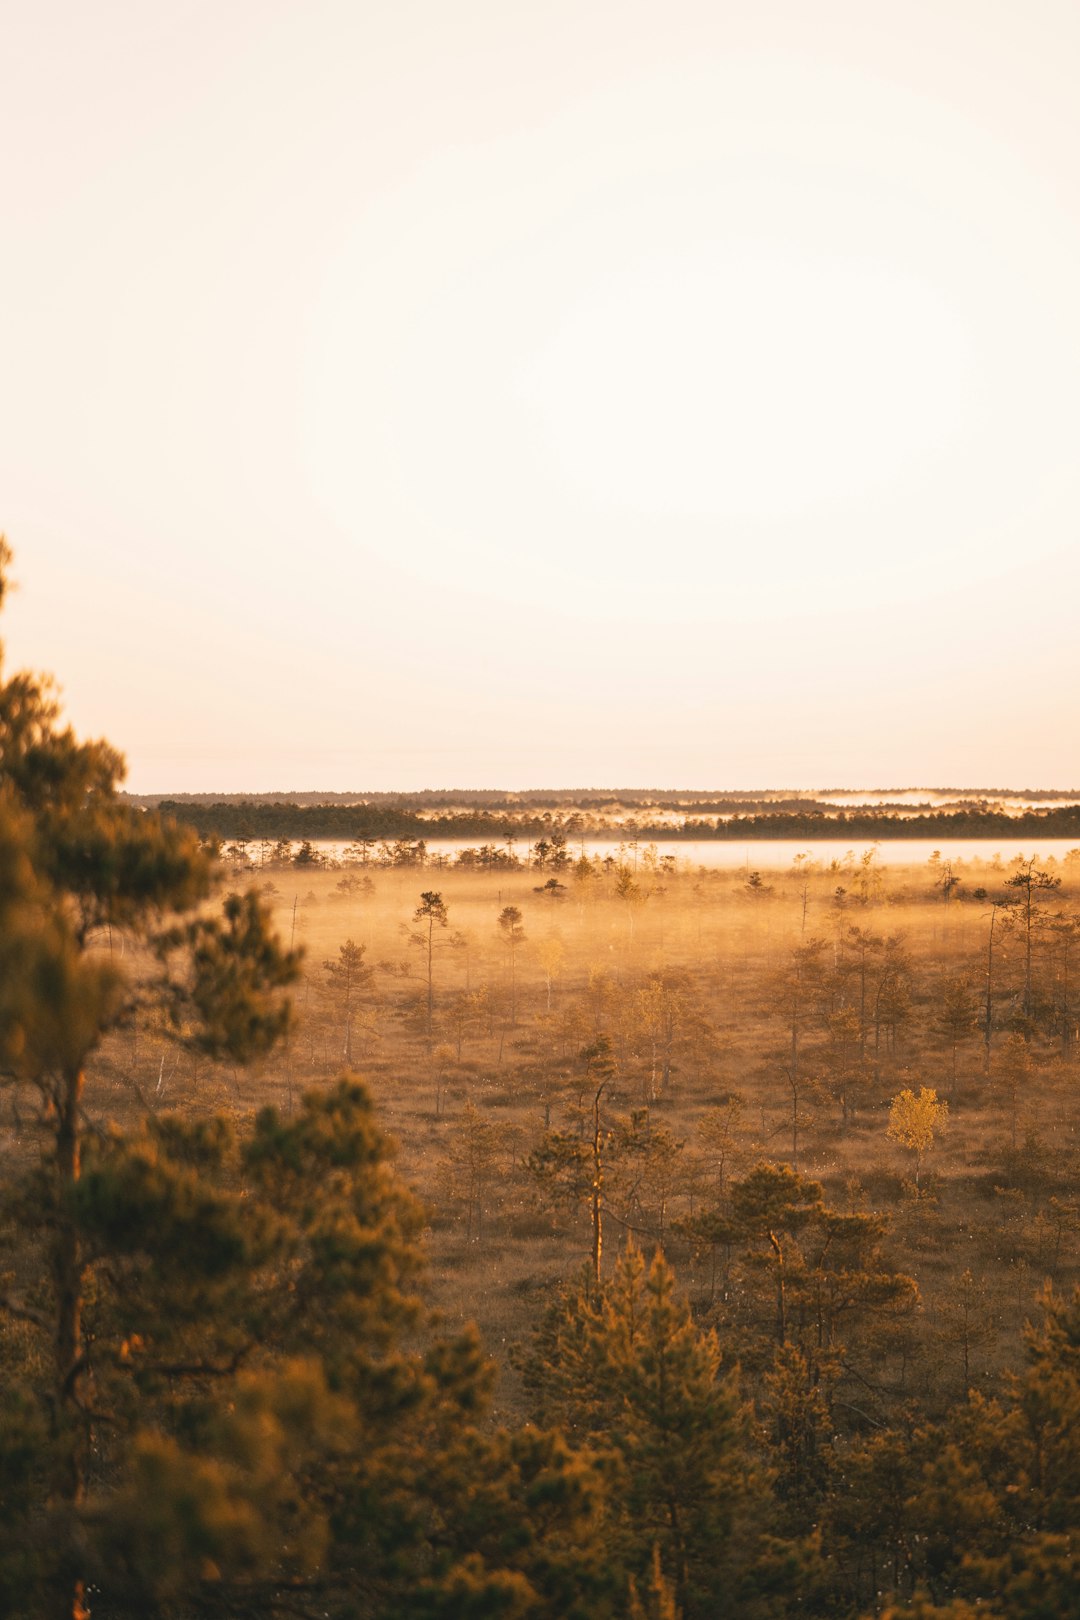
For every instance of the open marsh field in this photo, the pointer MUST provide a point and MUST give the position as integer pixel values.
(740, 1013)
(764, 1169)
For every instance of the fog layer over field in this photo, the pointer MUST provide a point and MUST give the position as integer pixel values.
(739, 1012)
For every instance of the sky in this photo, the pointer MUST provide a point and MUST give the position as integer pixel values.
(501, 394)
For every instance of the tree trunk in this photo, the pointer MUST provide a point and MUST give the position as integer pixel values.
(781, 1303)
(597, 1189)
(66, 1587)
(987, 1022)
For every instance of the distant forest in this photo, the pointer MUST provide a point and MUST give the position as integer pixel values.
(726, 800)
(500, 816)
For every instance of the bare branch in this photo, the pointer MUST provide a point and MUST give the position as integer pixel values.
(25, 1313)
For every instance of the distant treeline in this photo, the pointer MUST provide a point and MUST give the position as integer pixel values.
(264, 819)
(730, 801)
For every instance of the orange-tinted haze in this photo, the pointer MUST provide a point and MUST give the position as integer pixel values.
(405, 395)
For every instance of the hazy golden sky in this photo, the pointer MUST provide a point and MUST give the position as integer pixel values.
(411, 394)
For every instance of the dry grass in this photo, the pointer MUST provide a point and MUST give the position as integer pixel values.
(1006, 1215)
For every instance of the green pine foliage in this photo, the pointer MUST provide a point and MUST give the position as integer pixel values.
(627, 1372)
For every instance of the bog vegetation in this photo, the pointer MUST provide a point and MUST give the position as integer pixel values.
(760, 1184)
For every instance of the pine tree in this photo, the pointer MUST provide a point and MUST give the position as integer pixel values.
(77, 864)
(627, 1372)
(347, 977)
(430, 914)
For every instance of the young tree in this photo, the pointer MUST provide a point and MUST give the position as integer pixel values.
(846, 1073)
(551, 952)
(892, 997)
(569, 1166)
(967, 1321)
(631, 894)
(914, 1121)
(441, 1057)
(800, 995)
(600, 1070)
(1012, 1084)
(665, 1024)
(768, 1207)
(859, 962)
(512, 933)
(348, 976)
(1029, 883)
(956, 1020)
(647, 1172)
(720, 1131)
(996, 907)
(431, 913)
(470, 1170)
